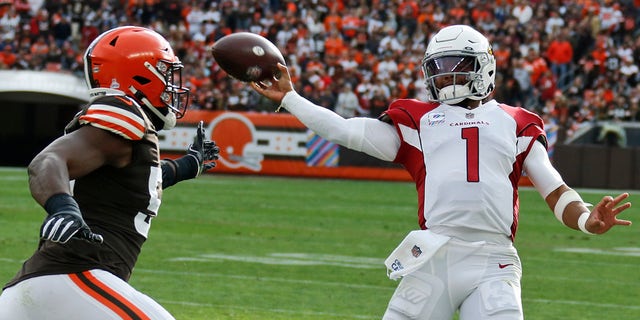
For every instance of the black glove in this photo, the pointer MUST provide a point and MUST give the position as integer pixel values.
(65, 221)
(200, 157)
(205, 151)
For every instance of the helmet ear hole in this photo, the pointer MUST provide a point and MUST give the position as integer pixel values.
(141, 80)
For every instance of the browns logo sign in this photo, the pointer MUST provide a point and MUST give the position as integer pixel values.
(274, 144)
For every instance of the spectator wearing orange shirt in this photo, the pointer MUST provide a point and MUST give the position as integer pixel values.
(502, 53)
(481, 12)
(457, 12)
(535, 64)
(313, 63)
(426, 14)
(333, 44)
(408, 8)
(333, 20)
(351, 23)
(599, 55)
(7, 57)
(560, 54)
(40, 47)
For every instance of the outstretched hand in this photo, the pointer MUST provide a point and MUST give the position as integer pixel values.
(604, 215)
(205, 151)
(277, 88)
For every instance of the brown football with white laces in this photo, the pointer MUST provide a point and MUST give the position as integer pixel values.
(247, 56)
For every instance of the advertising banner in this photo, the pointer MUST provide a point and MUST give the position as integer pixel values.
(274, 144)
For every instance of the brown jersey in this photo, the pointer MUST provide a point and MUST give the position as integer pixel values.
(117, 203)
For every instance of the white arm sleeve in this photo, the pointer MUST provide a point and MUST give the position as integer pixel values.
(542, 174)
(368, 135)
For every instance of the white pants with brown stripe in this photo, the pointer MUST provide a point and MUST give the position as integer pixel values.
(93, 294)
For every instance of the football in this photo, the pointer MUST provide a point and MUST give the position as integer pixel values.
(247, 56)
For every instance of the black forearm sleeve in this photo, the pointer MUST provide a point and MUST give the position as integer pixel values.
(174, 171)
(61, 202)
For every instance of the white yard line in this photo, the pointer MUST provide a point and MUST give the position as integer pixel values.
(293, 259)
(391, 287)
(628, 252)
(583, 262)
(585, 303)
(278, 310)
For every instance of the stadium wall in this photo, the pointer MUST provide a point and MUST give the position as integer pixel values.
(595, 166)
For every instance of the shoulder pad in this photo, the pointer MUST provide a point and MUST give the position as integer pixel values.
(523, 117)
(408, 111)
(527, 123)
(117, 114)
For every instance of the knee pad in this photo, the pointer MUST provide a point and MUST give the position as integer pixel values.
(416, 297)
(500, 297)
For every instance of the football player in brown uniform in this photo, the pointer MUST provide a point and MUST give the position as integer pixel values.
(101, 185)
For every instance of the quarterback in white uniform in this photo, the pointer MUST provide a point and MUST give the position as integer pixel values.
(466, 156)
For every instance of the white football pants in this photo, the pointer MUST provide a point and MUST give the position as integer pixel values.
(94, 294)
(481, 280)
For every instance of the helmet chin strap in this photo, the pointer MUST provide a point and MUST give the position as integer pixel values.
(448, 94)
(169, 120)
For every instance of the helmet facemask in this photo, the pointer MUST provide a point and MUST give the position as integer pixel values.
(451, 77)
(175, 97)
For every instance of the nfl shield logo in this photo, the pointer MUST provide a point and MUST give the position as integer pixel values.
(469, 115)
(416, 251)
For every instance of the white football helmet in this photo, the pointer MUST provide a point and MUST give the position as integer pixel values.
(458, 64)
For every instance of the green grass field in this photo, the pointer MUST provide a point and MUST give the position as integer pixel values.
(245, 247)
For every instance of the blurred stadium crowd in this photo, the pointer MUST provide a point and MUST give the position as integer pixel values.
(570, 61)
